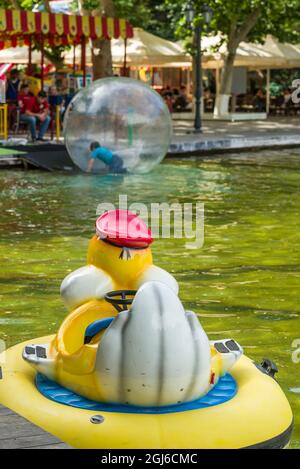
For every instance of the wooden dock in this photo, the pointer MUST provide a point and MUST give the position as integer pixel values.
(16, 432)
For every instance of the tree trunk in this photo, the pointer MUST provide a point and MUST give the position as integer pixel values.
(222, 100)
(101, 48)
(102, 59)
(236, 36)
(58, 62)
(47, 5)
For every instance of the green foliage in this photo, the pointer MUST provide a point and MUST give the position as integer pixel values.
(281, 18)
(280, 78)
(166, 17)
(277, 17)
(88, 5)
(5, 4)
(151, 15)
(55, 54)
(23, 4)
(28, 4)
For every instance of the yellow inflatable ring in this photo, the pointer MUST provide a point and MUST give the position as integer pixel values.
(258, 415)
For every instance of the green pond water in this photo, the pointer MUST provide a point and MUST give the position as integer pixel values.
(243, 283)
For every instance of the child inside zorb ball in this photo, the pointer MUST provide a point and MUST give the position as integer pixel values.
(111, 160)
(117, 125)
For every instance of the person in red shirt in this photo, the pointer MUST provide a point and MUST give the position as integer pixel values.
(25, 98)
(34, 110)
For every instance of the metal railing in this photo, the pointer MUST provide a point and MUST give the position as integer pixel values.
(3, 121)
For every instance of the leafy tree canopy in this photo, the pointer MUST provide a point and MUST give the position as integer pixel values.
(166, 17)
(277, 17)
(151, 15)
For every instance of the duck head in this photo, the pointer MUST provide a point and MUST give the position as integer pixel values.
(155, 354)
(121, 245)
(123, 264)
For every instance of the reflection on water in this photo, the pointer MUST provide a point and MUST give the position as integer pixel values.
(244, 282)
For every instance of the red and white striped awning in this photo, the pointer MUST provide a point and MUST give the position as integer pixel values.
(19, 25)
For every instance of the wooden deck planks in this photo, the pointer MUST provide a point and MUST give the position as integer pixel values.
(17, 432)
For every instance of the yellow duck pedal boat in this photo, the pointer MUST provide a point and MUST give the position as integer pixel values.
(130, 368)
(257, 416)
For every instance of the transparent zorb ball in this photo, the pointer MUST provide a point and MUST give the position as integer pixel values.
(125, 116)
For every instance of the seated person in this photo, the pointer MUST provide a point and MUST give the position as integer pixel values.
(54, 99)
(167, 92)
(113, 161)
(181, 103)
(259, 101)
(169, 102)
(286, 99)
(33, 110)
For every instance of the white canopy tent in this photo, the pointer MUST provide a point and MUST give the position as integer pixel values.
(142, 50)
(146, 49)
(267, 56)
(270, 54)
(19, 55)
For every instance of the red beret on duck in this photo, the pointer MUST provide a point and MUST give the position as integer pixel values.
(123, 228)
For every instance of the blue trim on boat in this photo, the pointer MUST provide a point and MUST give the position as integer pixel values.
(224, 391)
(98, 326)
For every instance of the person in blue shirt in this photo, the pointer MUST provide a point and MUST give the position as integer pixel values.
(110, 159)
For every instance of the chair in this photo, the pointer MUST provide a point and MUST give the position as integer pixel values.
(16, 126)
